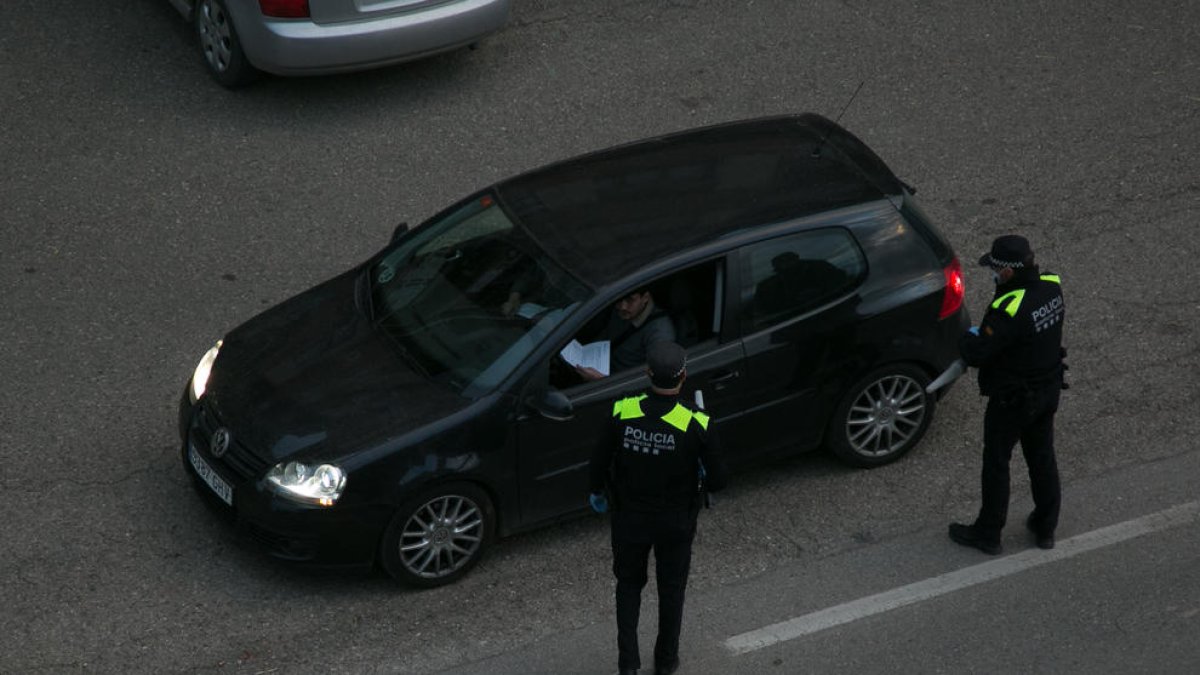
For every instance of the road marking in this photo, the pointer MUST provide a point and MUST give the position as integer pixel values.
(960, 579)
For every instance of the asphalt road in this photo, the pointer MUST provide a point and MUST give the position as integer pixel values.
(146, 211)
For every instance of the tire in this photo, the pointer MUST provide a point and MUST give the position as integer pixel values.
(438, 536)
(882, 416)
(220, 46)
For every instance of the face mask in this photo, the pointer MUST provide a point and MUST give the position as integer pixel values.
(996, 277)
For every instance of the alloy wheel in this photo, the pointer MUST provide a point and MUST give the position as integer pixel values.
(441, 536)
(885, 416)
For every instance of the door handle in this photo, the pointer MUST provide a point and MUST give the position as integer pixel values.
(720, 380)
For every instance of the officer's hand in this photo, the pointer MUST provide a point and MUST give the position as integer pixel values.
(974, 330)
(598, 501)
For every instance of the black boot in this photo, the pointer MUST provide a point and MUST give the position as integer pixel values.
(1044, 541)
(666, 668)
(967, 535)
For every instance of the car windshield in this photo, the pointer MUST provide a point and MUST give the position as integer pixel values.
(468, 296)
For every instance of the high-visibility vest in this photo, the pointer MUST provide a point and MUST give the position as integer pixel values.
(1014, 298)
(679, 416)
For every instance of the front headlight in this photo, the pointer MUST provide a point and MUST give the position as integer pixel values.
(313, 485)
(203, 370)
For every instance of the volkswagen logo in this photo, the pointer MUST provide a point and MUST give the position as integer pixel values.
(219, 444)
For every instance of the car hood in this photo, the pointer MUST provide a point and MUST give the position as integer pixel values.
(313, 378)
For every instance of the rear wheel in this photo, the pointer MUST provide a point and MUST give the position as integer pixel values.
(220, 45)
(438, 536)
(882, 416)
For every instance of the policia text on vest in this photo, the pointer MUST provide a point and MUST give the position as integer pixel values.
(651, 456)
(654, 442)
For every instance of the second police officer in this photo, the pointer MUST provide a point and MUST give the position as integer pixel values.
(650, 461)
(1018, 350)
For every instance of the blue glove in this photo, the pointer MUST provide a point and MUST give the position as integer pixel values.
(598, 501)
(974, 330)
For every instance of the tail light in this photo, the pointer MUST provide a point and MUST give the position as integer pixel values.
(284, 9)
(952, 296)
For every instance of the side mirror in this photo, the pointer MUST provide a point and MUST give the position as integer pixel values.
(400, 231)
(552, 404)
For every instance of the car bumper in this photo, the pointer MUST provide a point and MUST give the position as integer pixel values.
(345, 535)
(301, 47)
(950, 330)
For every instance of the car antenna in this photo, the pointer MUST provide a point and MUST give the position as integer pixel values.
(817, 150)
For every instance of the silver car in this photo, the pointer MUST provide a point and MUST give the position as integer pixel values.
(238, 38)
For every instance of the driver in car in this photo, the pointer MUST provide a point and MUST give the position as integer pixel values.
(635, 324)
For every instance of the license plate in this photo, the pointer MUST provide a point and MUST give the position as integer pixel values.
(224, 490)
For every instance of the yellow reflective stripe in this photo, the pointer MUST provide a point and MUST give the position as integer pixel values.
(629, 408)
(1053, 278)
(1015, 296)
(678, 417)
(632, 409)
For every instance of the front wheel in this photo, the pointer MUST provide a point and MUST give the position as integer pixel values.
(438, 536)
(220, 45)
(882, 416)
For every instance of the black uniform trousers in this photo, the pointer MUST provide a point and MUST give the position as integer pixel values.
(1027, 417)
(634, 534)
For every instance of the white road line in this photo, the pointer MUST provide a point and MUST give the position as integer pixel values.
(960, 579)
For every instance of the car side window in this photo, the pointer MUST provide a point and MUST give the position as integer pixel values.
(684, 306)
(788, 276)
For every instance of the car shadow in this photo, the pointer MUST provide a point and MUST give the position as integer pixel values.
(508, 559)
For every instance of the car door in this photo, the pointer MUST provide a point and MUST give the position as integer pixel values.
(554, 454)
(796, 307)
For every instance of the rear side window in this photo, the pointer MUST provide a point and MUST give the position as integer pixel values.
(788, 276)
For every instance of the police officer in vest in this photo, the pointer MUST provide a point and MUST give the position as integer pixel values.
(652, 460)
(1018, 350)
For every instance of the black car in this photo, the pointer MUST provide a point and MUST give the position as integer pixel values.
(415, 407)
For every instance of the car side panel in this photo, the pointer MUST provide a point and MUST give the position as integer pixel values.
(554, 454)
(802, 346)
(789, 367)
(796, 372)
(479, 448)
(902, 296)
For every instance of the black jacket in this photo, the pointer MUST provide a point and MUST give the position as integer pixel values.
(1019, 346)
(650, 455)
(629, 342)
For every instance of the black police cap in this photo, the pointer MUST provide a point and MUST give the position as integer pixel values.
(1010, 250)
(666, 361)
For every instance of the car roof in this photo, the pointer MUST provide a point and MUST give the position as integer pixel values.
(606, 214)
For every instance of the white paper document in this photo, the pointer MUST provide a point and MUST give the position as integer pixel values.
(591, 355)
(528, 310)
